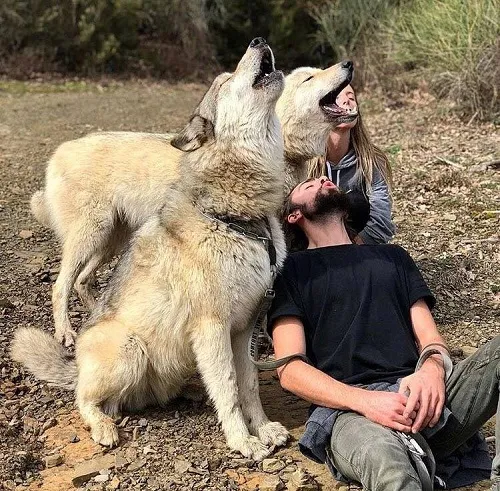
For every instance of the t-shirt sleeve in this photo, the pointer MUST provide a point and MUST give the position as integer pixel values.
(287, 301)
(417, 287)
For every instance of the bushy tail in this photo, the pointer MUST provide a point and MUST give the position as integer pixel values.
(43, 356)
(39, 208)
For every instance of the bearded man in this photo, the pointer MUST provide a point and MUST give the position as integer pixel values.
(370, 358)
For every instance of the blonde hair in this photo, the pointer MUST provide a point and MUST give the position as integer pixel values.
(369, 157)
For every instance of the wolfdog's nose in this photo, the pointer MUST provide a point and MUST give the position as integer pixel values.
(257, 42)
(347, 64)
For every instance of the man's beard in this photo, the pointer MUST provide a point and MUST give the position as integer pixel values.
(326, 204)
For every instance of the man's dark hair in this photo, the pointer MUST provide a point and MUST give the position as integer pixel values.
(295, 238)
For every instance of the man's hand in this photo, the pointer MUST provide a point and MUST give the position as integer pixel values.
(426, 394)
(388, 409)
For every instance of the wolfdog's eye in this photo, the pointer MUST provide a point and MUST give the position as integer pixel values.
(308, 78)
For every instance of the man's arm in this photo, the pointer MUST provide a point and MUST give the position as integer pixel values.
(426, 387)
(307, 382)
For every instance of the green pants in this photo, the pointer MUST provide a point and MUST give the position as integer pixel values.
(371, 454)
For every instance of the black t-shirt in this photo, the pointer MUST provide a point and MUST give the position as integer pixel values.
(354, 302)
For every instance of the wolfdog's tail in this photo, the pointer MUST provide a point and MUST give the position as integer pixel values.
(43, 356)
(39, 208)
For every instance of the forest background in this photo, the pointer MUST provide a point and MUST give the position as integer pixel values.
(451, 46)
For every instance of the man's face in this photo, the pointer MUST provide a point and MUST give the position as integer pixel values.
(318, 198)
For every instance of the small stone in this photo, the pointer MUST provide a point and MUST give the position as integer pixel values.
(131, 454)
(50, 423)
(74, 438)
(53, 460)
(101, 478)
(451, 217)
(114, 484)
(26, 234)
(214, 464)
(135, 433)
(271, 483)
(120, 461)
(301, 481)
(9, 485)
(136, 465)
(181, 466)
(147, 449)
(468, 350)
(272, 465)
(90, 468)
(143, 422)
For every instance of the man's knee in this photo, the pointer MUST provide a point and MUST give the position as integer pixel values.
(373, 455)
(387, 465)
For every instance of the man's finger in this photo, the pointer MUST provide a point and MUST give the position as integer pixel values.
(411, 404)
(401, 419)
(422, 412)
(437, 412)
(399, 427)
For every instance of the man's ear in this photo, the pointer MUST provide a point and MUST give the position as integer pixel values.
(194, 135)
(294, 217)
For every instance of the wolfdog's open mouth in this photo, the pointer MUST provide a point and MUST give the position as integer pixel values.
(266, 69)
(329, 105)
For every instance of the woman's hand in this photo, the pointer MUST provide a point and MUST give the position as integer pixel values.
(426, 394)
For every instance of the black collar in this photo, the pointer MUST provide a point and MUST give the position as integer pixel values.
(256, 229)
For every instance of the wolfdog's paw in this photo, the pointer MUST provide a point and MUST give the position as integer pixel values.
(66, 337)
(273, 433)
(251, 447)
(105, 433)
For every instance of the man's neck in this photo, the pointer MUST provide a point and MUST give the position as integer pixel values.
(338, 145)
(328, 232)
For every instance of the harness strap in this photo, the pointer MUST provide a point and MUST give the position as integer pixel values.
(258, 328)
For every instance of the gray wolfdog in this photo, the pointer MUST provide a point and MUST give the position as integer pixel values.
(183, 295)
(102, 187)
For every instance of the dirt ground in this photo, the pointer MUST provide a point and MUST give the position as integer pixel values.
(447, 209)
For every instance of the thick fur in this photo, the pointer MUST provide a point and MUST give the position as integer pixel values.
(102, 187)
(183, 295)
(44, 357)
(304, 124)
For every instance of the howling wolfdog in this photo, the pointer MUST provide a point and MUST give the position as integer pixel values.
(102, 187)
(183, 295)
(308, 112)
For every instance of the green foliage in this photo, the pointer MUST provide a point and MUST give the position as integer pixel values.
(286, 25)
(105, 35)
(456, 44)
(453, 44)
(348, 25)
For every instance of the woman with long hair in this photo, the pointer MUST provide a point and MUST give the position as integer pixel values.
(360, 168)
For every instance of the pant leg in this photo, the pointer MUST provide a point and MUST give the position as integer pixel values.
(472, 396)
(371, 454)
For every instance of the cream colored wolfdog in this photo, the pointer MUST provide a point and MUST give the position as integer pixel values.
(183, 295)
(102, 187)
(307, 112)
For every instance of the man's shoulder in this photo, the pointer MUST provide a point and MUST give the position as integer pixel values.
(346, 253)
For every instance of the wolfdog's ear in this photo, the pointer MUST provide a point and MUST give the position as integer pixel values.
(197, 132)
